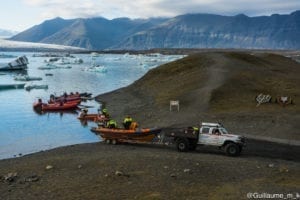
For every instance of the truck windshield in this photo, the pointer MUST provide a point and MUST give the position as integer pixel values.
(223, 130)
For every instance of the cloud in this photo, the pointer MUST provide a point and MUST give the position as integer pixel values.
(228, 7)
(155, 8)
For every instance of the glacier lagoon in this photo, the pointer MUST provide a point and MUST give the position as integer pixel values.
(23, 131)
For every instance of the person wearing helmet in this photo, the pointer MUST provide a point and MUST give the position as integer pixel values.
(111, 124)
(105, 113)
(127, 122)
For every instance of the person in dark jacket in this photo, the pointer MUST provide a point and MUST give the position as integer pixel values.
(127, 122)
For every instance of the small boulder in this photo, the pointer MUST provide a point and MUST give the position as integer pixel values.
(271, 165)
(119, 173)
(32, 178)
(10, 177)
(48, 167)
(283, 169)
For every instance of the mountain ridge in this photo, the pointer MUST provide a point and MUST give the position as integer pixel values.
(183, 31)
(4, 33)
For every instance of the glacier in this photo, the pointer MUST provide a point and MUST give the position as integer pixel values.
(8, 45)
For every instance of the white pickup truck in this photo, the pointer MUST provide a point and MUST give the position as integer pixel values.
(212, 134)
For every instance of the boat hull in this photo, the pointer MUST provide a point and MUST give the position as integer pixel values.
(55, 106)
(139, 135)
(78, 101)
(69, 98)
(92, 117)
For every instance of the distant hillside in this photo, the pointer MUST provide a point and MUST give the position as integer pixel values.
(6, 33)
(215, 86)
(93, 33)
(39, 32)
(184, 31)
(215, 31)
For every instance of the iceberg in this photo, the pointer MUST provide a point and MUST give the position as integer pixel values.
(18, 64)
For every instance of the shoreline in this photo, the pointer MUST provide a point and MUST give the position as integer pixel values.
(165, 51)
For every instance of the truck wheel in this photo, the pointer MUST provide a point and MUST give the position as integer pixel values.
(114, 142)
(182, 145)
(107, 141)
(232, 149)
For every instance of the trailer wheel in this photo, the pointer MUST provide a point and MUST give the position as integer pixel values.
(182, 145)
(232, 149)
(108, 141)
(114, 141)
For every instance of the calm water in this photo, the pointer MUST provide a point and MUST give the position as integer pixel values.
(24, 131)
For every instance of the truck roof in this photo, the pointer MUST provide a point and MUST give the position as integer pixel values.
(211, 124)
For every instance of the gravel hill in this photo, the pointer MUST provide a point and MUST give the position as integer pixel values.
(215, 86)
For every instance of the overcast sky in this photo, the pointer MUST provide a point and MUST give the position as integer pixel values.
(22, 14)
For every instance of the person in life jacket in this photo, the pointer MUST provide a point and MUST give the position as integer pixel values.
(105, 113)
(127, 122)
(111, 124)
(193, 129)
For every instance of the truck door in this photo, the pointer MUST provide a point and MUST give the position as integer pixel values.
(219, 139)
(208, 137)
(203, 135)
